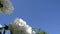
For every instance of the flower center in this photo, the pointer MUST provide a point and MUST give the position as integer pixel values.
(1, 5)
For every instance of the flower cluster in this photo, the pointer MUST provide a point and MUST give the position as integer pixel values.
(19, 26)
(6, 7)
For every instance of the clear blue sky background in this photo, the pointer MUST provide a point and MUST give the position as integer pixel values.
(43, 13)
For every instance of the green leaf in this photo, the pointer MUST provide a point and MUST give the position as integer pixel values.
(1, 28)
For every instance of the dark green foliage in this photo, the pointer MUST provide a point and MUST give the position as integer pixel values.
(41, 32)
(6, 27)
(0, 28)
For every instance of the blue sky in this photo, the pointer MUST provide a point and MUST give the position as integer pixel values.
(43, 13)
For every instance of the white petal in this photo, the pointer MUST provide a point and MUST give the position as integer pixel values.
(0, 26)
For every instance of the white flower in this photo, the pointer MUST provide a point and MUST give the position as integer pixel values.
(6, 7)
(0, 27)
(20, 27)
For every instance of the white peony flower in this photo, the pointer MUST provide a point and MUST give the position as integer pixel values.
(19, 26)
(6, 7)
